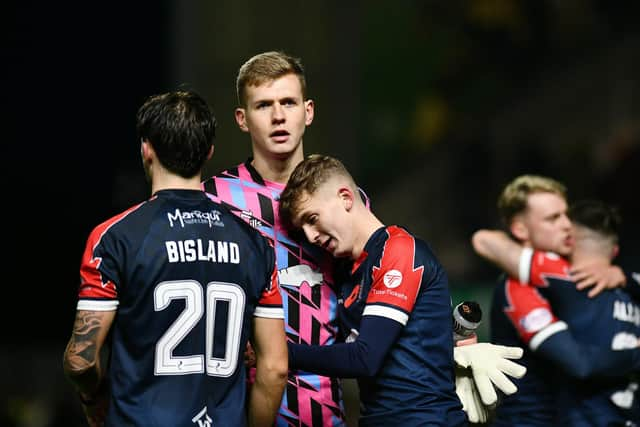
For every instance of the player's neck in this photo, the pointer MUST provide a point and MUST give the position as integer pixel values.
(174, 182)
(366, 226)
(589, 258)
(277, 169)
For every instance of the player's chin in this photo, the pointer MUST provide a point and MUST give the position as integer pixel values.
(339, 254)
(565, 250)
(284, 145)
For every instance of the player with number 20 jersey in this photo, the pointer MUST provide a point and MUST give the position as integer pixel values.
(185, 276)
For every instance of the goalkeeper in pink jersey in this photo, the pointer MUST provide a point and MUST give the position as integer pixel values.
(274, 109)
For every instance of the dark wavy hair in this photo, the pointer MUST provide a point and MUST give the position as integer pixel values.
(181, 129)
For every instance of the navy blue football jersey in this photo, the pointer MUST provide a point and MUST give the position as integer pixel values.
(610, 320)
(518, 311)
(522, 313)
(399, 278)
(186, 278)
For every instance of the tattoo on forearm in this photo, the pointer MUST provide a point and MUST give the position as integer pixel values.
(81, 353)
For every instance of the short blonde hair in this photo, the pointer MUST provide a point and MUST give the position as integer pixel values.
(306, 178)
(513, 199)
(265, 67)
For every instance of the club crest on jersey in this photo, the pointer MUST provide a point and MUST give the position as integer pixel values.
(202, 419)
(392, 279)
(195, 217)
(536, 319)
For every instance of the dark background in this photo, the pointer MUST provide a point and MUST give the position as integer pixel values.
(433, 106)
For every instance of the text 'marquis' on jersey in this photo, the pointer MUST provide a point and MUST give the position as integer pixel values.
(186, 278)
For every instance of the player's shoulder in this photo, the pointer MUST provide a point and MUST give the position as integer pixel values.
(243, 171)
(210, 185)
(119, 218)
(401, 237)
(253, 233)
(401, 241)
(549, 263)
(548, 256)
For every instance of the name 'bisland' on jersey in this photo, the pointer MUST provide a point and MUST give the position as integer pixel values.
(192, 250)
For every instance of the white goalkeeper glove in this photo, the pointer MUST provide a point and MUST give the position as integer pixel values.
(489, 363)
(477, 411)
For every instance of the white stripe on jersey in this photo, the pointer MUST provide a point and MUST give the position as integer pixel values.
(97, 305)
(525, 265)
(545, 333)
(388, 312)
(269, 312)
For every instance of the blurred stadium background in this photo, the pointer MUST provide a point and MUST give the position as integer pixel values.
(433, 106)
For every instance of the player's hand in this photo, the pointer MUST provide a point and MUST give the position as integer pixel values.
(477, 411)
(249, 356)
(597, 276)
(489, 363)
(473, 339)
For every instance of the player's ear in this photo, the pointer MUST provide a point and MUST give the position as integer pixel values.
(241, 119)
(309, 111)
(519, 230)
(346, 196)
(210, 152)
(615, 251)
(146, 150)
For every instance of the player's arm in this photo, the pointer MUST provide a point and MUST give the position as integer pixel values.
(360, 358)
(500, 249)
(82, 363)
(270, 346)
(582, 361)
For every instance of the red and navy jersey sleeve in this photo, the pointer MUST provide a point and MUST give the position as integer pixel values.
(100, 267)
(270, 303)
(528, 311)
(537, 267)
(396, 281)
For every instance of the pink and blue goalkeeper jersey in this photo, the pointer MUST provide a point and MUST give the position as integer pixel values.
(306, 284)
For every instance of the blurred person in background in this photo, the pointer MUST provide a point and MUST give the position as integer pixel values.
(553, 319)
(174, 287)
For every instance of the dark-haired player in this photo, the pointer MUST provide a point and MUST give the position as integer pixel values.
(179, 284)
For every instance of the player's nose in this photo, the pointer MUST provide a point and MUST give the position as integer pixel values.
(311, 233)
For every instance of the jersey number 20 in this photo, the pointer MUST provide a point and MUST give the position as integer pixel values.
(191, 292)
